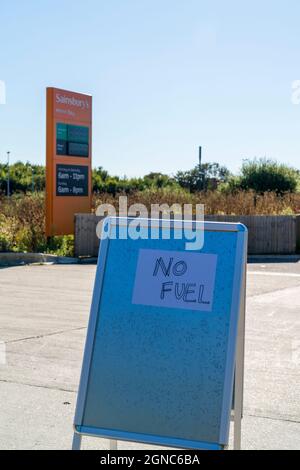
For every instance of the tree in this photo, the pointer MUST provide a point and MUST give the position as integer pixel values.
(158, 180)
(23, 177)
(208, 176)
(263, 175)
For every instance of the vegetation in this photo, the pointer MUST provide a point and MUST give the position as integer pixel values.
(23, 177)
(263, 175)
(216, 202)
(262, 187)
(206, 177)
(104, 183)
(22, 226)
(260, 175)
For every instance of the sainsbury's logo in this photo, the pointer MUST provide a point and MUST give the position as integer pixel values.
(63, 99)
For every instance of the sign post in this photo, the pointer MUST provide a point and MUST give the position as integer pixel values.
(68, 159)
(164, 354)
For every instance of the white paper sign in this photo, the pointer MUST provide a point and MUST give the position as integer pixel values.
(175, 279)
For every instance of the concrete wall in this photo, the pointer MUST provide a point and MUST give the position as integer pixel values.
(267, 234)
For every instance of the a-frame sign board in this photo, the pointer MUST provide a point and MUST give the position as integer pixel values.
(165, 339)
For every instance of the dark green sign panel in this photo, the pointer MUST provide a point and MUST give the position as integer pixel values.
(78, 150)
(72, 140)
(78, 134)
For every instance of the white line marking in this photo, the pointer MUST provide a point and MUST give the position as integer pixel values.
(270, 273)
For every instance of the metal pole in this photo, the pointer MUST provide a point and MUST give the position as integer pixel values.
(200, 167)
(32, 180)
(200, 157)
(8, 186)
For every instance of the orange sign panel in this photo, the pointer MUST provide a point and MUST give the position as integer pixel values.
(68, 159)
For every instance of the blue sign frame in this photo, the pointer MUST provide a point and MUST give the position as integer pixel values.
(237, 295)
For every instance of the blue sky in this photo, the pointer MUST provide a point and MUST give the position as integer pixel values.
(166, 76)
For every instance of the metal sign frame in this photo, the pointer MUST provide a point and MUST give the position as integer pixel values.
(235, 352)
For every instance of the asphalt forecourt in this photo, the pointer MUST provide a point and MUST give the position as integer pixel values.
(44, 312)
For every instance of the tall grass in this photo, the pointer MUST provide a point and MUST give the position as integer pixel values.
(215, 202)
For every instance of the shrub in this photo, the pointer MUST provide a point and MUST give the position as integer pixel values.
(206, 177)
(22, 222)
(61, 245)
(22, 227)
(263, 175)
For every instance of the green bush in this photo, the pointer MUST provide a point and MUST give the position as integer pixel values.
(60, 245)
(263, 175)
(22, 227)
(206, 177)
(22, 222)
(104, 183)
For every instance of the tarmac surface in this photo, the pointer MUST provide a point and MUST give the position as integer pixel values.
(43, 317)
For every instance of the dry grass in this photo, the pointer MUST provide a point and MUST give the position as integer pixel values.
(215, 202)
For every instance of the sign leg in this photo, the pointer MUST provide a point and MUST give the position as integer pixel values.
(76, 441)
(237, 430)
(238, 396)
(239, 373)
(113, 445)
